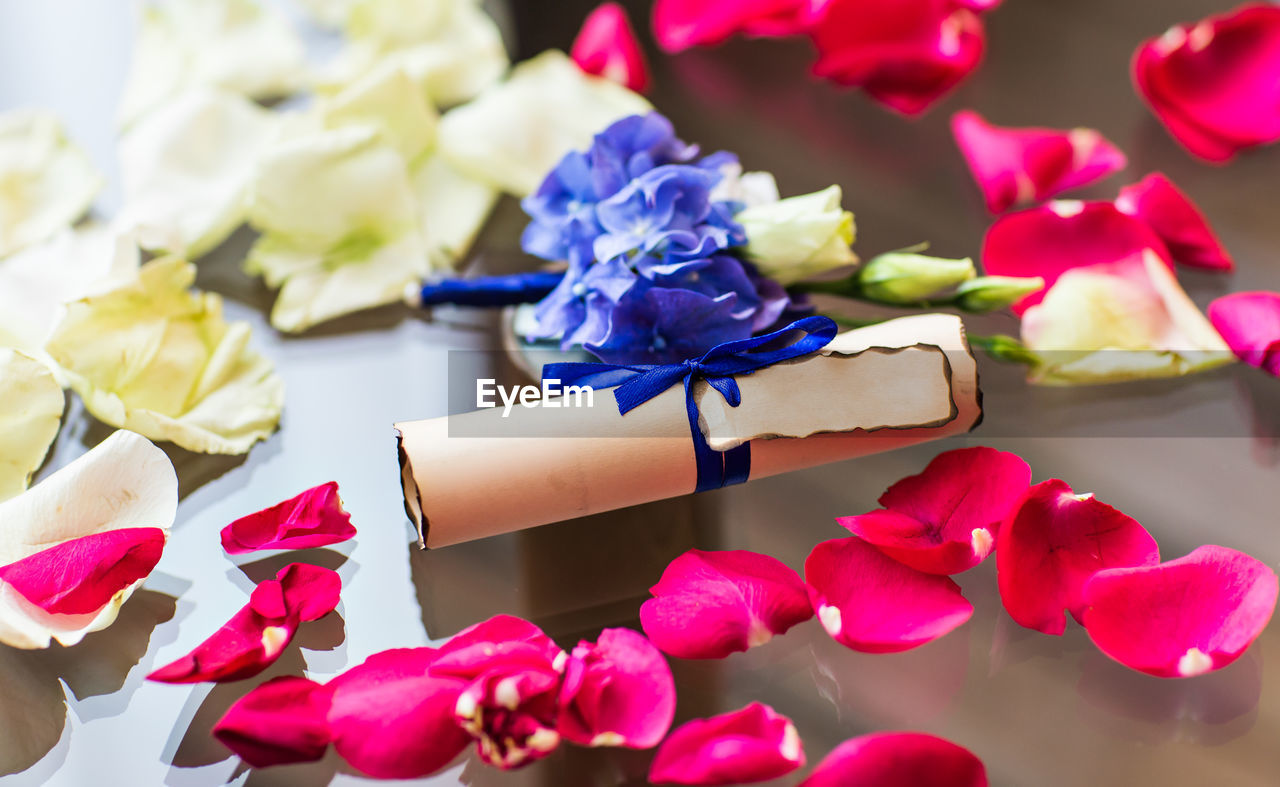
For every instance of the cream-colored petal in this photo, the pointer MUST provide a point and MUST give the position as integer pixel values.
(327, 13)
(799, 237)
(31, 403)
(453, 207)
(46, 181)
(388, 100)
(516, 131)
(187, 169)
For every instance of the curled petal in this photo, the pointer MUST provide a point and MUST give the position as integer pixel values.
(49, 181)
(870, 602)
(31, 403)
(1250, 324)
(606, 46)
(945, 520)
(899, 759)
(710, 604)
(753, 744)
(1177, 220)
(1052, 239)
(81, 576)
(618, 691)
(680, 24)
(1052, 543)
(1184, 617)
(280, 722)
(502, 629)
(1020, 165)
(1215, 84)
(314, 518)
(905, 53)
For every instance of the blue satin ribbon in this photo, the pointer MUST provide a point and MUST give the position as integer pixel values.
(639, 383)
(510, 290)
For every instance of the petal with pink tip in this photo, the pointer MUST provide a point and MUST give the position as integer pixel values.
(1215, 84)
(280, 722)
(899, 759)
(256, 635)
(753, 744)
(1052, 239)
(314, 518)
(617, 691)
(680, 24)
(606, 46)
(1177, 220)
(1021, 165)
(81, 576)
(870, 602)
(1052, 543)
(1250, 324)
(710, 604)
(1184, 617)
(945, 520)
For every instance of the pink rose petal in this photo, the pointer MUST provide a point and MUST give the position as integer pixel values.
(1052, 239)
(1250, 324)
(945, 520)
(898, 759)
(256, 636)
(280, 722)
(81, 576)
(680, 24)
(870, 602)
(1052, 543)
(1177, 220)
(392, 720)
(710, 604)
(314, 518)
(1215, 84)
(1184, 617)
(1021, 165)
(906, 54)
(617, 691)
(606, 46)
(754, 744)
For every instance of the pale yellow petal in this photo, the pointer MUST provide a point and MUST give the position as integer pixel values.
(46, 181)
(31, 403)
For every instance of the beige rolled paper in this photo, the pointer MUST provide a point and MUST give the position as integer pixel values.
(870, 390)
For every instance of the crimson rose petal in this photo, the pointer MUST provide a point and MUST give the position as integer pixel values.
(1177, 220)
(899, 759)
(1052, 239)
(710, 604)
(1250, 324)
(81, 576)
(606, 46)
(617, 691)
(944, 520)
(680, 24)
(1215, 85)
(314, 518)
(1184, 617)
(753, 744)
(1019, 165)
(904, 53)
(280, 722)
(256, 636)
(1052, 543)
(870, 602)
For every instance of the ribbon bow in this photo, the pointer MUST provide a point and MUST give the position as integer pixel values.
(719, 366)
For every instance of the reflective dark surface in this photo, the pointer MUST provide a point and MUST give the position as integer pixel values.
(1196, 460)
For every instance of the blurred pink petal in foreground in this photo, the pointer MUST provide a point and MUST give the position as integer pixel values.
(710, 604)
(606, 46)
(256, 636)
(1184, 617)
(898, 759)
(618, 691)
(1052, 239)
(1050, 546)
(753, 744)
(280, 722)
(870, 602)
(1022, 165)
(1215, 84)
(1250, 324)
(906, 54)
(680, 24)
(314, 518)
(83, 575)
(945, 520)
(1177, 220)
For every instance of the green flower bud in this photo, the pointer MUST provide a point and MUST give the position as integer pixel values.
(989, 293)
(907, 278)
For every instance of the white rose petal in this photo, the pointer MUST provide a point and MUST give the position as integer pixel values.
(31, 403)
(46, 182)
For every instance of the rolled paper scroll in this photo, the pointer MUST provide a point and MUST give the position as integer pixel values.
(869, 390)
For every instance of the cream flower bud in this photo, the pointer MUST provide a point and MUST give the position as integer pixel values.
(799, 237)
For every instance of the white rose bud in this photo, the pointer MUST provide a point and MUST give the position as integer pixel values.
(799, 237)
